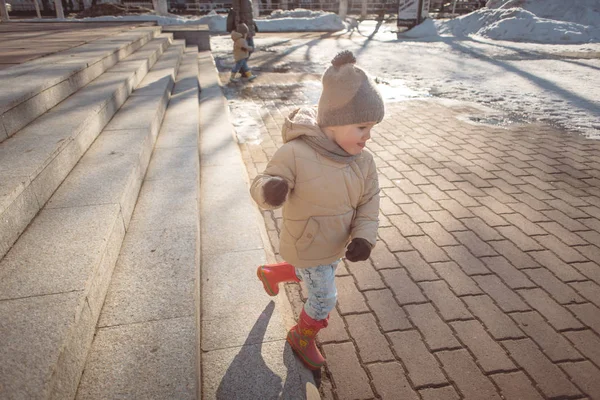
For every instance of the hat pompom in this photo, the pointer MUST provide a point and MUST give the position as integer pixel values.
(344, 57)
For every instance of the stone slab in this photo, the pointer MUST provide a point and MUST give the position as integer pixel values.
(182, 132)
(104, 173)
(218, 144)
(231, 202)
(230, 303)
(187, 77)
(177, 196)
(149, 52)
(154, 286)
(197, 35)
(236, 310)
(55, 142)
(31, 330)
(69, 244)
(155, 359)
(163, 73)
(73, 115)
(154, 277)
(42, 77)
(178, 163)
(142, 112)
(18, 212)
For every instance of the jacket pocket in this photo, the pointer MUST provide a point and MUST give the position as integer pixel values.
(308, 236)
(324, 237)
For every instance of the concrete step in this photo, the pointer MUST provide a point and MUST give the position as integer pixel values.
(54, 279)
(243, 329)
(36, 160)
(45, 82)
(145, 345)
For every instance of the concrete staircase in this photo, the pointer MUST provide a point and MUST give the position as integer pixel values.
(99, 173)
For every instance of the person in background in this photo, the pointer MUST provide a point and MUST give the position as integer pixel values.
(244, 15)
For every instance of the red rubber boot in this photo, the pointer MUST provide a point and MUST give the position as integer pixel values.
(302, 339)
(273, 274)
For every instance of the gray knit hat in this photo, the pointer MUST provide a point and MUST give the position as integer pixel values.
(349, 96)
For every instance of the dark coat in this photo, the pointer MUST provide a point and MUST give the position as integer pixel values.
(243, 13)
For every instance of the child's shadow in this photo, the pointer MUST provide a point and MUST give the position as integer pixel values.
(249, 377)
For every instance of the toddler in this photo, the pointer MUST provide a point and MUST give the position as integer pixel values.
(328, 187)
(241, 52)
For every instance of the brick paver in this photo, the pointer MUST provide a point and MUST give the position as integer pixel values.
(437, 334)
(405, 289)
(552, 343)
(350, 378)
(585, 375)
(490, 355)
(443, 393)
(471, 382)
(514, 278)
(417, 267)
(391, 383)
(371, 343)
(516, 386)
(558, 316)
(504, 296)
(548, 376)
(390, 315)
(450, 306)
(423, 368)
(460, 282)
(486, 279)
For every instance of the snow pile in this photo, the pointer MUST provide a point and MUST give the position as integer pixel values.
(281, 22)
(326, 22)
(160, 20)
(323, 22)
(297, 13)
(425, 29)
(517, 24)
(584, 12)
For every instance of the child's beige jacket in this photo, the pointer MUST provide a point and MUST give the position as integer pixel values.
(330, 202)
(239, 43)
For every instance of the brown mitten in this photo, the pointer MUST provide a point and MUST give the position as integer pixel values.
(275, 191)
(359, 249)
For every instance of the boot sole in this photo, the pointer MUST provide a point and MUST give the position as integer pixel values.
(265, 283)
(305, 361)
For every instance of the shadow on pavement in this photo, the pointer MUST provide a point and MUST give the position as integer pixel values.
(249, 376)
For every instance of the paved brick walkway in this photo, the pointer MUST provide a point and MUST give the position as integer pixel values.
(485, 283)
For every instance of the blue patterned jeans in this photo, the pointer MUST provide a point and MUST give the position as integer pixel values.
(322, 293)
(241, 66)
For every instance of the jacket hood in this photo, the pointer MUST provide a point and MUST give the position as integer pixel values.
(236, 35)
(301, 122)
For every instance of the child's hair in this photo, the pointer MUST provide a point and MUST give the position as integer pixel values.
(242, 28)
(349, 95)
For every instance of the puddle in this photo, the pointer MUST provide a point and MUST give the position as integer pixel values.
(396, 90)
(495, 120)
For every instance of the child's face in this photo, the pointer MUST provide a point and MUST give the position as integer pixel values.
(351, 138)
